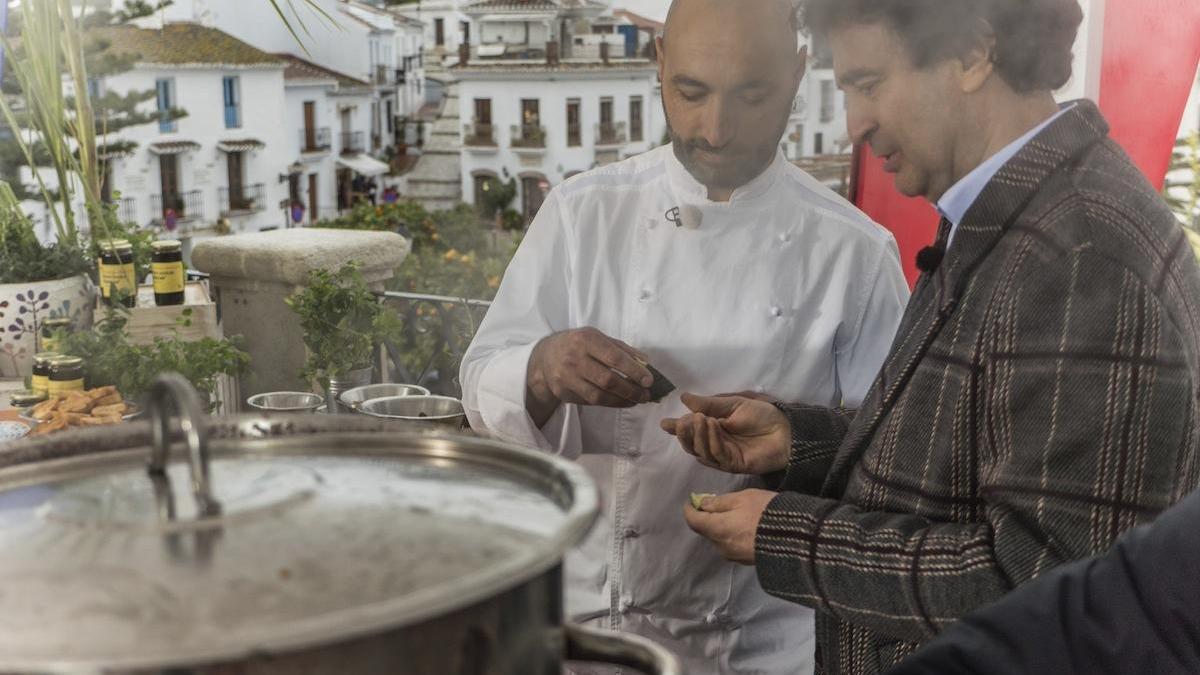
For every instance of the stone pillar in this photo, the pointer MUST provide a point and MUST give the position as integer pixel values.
(252, 274)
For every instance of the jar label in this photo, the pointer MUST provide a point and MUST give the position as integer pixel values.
(58, 387)
(121, 276)
(40, 384)
(168, 277)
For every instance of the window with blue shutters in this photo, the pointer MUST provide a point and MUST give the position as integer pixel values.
(166, 101)
(233, 114)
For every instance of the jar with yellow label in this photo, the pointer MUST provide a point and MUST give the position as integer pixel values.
(66, 374)
(117, 274)
(40, 382)
(49, 329)
(26, 399)
(167, 266)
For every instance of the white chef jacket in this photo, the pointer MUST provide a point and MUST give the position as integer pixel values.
(785, 289)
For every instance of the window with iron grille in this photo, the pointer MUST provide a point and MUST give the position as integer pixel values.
(166, 101)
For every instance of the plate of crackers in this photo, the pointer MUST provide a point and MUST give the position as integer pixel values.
(97, 407)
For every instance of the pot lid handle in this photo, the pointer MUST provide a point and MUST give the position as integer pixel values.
(172, 391)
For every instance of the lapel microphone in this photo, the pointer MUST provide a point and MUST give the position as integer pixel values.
(929, 258)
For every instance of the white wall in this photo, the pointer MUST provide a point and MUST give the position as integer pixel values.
(452, 18)
(558, 160)
(514, 32)
(199, 92)
(319, 163)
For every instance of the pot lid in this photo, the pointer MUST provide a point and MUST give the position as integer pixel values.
(273, 535)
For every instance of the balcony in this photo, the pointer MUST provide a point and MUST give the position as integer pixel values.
(381, 75)
(314, 140)
(610, 136)
(240, 200)
(126, 209)
(574, 135)
(353, 142)
(177, 207)
(479, 136)
(528, 137)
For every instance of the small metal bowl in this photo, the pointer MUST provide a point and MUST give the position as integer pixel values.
(352, 398)
(438, 409)
(286, 401)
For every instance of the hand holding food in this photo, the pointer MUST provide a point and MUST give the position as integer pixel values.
(733, 434)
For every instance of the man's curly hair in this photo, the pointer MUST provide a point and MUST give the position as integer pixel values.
(1033, 37)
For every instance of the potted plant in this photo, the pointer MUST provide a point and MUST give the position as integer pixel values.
(342, 321)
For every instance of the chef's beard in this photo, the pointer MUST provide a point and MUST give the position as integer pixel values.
(734, 174)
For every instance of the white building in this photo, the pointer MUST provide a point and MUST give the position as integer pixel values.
(531, 114)
(445, 25)
(225, 157)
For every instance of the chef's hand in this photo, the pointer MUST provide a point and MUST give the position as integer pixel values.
(730, 522)
(576, 366)
(733, 434)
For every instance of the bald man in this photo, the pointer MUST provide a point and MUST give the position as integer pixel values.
(727, 268)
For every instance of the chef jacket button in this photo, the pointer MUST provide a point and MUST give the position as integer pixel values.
(645, 294)
(776, 311)
(626, 603)
(710, 618)
(785, 237)
(634, 453)
(651, 222)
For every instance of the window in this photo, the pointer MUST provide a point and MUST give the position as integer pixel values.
(818, 144)
(529, 111)
(466, 32)
(635, 118)
(827, 94)
(483, 185)
(233, 102)
(574, 137)
(533, 193)
(606, 112)
(391, 120)
(166, 102)
(439, 32)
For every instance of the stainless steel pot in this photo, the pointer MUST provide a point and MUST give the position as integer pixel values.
(298, 544)
(286, 401)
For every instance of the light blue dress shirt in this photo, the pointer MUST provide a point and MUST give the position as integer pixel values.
(958, 199)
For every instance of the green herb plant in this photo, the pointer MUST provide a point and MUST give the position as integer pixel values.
(110, 359)
(342, 321)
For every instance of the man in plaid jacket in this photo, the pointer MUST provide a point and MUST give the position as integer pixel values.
(1041, 394)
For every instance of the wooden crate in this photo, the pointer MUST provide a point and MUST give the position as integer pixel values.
(147, 321)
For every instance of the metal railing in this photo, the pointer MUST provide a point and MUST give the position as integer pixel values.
(314, 140)
(610, 134)
(437, 332)
(479, 134)
(352, 142)
(241, 199)
(181, 205)
(528, 136)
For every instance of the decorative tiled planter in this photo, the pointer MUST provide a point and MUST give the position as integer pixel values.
(23, 308)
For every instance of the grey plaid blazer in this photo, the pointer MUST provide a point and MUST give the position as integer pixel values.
(1040, 398)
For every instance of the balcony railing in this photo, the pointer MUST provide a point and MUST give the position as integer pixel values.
(381, 75)
(610, 134)
(528, 136)
(479, 134)
(181, 206)
(314, 140)
(574, 135)
(127, 210)
(437, 332)
(241, 199)
(352, 142)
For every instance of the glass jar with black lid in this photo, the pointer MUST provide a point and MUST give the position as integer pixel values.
(40, 382)
(166, 264)
(66, 374)
(117, 276)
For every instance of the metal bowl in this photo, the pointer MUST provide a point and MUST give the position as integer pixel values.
(286, 401)
(440, 409)
(352, 398)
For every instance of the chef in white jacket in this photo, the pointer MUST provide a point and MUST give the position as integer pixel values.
(726, 268)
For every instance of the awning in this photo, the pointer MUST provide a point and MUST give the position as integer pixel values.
(364, 165)
(174, 147)
(244, 145)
